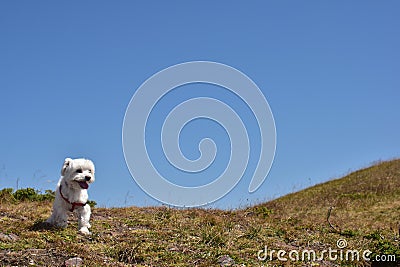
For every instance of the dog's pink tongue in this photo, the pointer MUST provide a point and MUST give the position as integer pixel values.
(84, 185)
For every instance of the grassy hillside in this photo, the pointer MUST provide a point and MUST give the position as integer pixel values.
(361, 210)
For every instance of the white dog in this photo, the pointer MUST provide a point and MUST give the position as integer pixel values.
(71, 194)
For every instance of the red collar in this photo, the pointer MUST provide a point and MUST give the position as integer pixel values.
(74, 204)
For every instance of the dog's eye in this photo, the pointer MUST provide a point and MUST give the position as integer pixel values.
(79, 170)
(90, 171)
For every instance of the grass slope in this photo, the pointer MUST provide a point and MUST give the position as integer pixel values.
(365, 213)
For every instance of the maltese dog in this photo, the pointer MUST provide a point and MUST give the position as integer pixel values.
(71, 194)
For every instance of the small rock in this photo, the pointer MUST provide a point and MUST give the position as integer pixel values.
(13, 237)
(8, 237)
(226, 261)
(74, 262)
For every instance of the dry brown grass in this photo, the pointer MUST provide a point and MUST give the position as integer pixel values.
(366, 213)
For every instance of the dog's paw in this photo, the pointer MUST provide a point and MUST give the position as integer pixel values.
(84, 230)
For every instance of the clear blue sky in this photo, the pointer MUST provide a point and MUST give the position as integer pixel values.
(329, 69)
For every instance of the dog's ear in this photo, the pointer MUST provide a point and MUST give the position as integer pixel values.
(67, 163)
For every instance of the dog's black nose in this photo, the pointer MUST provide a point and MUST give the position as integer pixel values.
(87, 178)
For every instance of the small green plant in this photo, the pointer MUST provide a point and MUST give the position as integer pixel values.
(253, 232)
(127, 253)
(92, 203)
(6, 195)
(212, 237)
(280, 232)
(263, 211)
(374, 236)
(349, 233)
(48, 195)
(163, 214)
(26, 194)
(6, 191)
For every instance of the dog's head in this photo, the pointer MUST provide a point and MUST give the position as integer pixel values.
(78, 173)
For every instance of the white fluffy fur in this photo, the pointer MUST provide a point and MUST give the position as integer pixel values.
(73, 173)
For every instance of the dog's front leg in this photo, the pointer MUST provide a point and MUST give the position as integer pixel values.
(59, 216)
(83, 214)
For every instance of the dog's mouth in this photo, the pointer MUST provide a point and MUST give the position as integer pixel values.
(83, 185)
